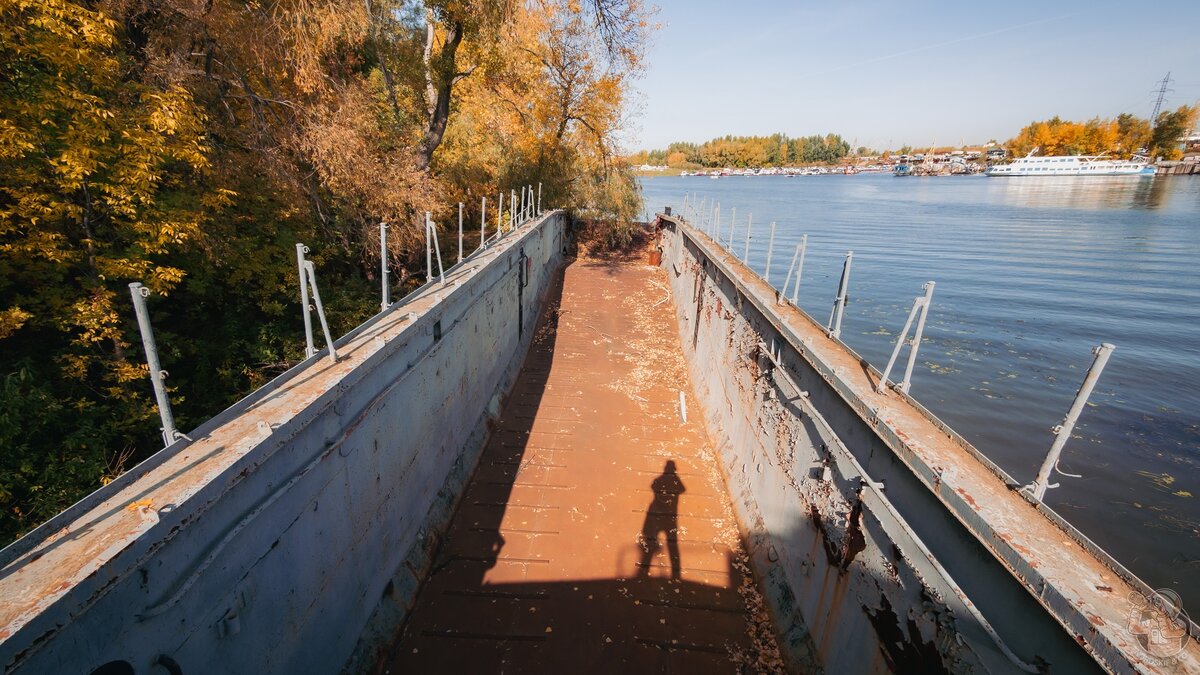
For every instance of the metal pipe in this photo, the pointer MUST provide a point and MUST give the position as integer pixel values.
(916, 340)
(500, 215)
(717, 222)
(770, 250)
(428, 252)
(1063, 431)
(512, 210)
(732, 227)
(482, 221)
(460, 207)
(839, 302)
(918, 307)
(383, 268)
(800, 268)
(301, 249)
(539, 202)
(899, 344)
(169, 433)
(788, 279)
(431, 234)
(312, 279)
(749, 228)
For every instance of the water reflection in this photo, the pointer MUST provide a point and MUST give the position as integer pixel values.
(1083, 192)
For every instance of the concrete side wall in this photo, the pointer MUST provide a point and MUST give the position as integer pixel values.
(864, 569)
(310, 548)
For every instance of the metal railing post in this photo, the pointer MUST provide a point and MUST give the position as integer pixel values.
(839, 302)
(512, 210)
(717, 222)
(482, 221)
(311, 271)
(301, 249)
(460, 243)
(1063, 431)
(916, 339)
(431, 234)
(428, 252)
(500, 215)
(920, 308)
(169, 433)
(749, 228)
(383, 267)
(732, 227)
(539, 202)
(799, 268)
(770, 250)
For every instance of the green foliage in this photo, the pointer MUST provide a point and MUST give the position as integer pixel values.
(750, 151)
(190, 150)
(1170, 129)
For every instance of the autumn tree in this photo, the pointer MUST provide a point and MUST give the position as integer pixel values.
(1170, 129)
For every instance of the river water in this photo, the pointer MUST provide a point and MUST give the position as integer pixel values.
(1031, 274)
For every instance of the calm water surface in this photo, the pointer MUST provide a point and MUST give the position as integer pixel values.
(1031, 275)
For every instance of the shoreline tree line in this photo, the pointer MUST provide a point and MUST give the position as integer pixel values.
(189, 144)
(1121, 137)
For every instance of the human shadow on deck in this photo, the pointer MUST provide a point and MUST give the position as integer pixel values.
(663, 516)
(493, 601)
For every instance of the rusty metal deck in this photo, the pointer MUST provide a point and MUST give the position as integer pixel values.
(596, 534)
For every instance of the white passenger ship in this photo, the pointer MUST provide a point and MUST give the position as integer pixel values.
(1075, 165)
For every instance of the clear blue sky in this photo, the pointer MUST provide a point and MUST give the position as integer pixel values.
(907, 71)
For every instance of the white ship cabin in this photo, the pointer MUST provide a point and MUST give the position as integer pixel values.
(1073, 166)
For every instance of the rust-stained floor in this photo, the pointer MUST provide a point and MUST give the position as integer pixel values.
(596, 534)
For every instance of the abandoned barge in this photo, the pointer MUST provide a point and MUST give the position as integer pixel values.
(541, 462)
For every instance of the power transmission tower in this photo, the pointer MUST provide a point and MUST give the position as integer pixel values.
(1163, 90)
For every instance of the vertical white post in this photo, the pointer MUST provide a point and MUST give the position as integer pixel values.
(902, 338)
(301, 249)
(1063, 431)
(428, 252)
(482, 221)
(310, 270)
(916, 340)
(383, 267)
(839, 302)
(500, 215)
(539, 202)
(169, 433)
(732, 226)
(717, 222)
(770, 250)
(799, 269)
(512, 210)
(431, 234)
(460, 243)
(749, 226)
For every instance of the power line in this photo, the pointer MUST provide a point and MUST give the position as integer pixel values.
(1163, 90)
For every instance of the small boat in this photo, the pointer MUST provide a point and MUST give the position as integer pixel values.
(1072, 165)
(902, 169)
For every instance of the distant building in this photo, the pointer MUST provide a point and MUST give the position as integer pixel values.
(1192, 142)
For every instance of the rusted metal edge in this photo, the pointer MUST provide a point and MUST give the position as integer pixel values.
(41, 533)
(878, 505)
(1058, 606)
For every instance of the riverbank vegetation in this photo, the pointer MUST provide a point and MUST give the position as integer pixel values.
(1122, 136)
(747, 151)
(189, 145)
